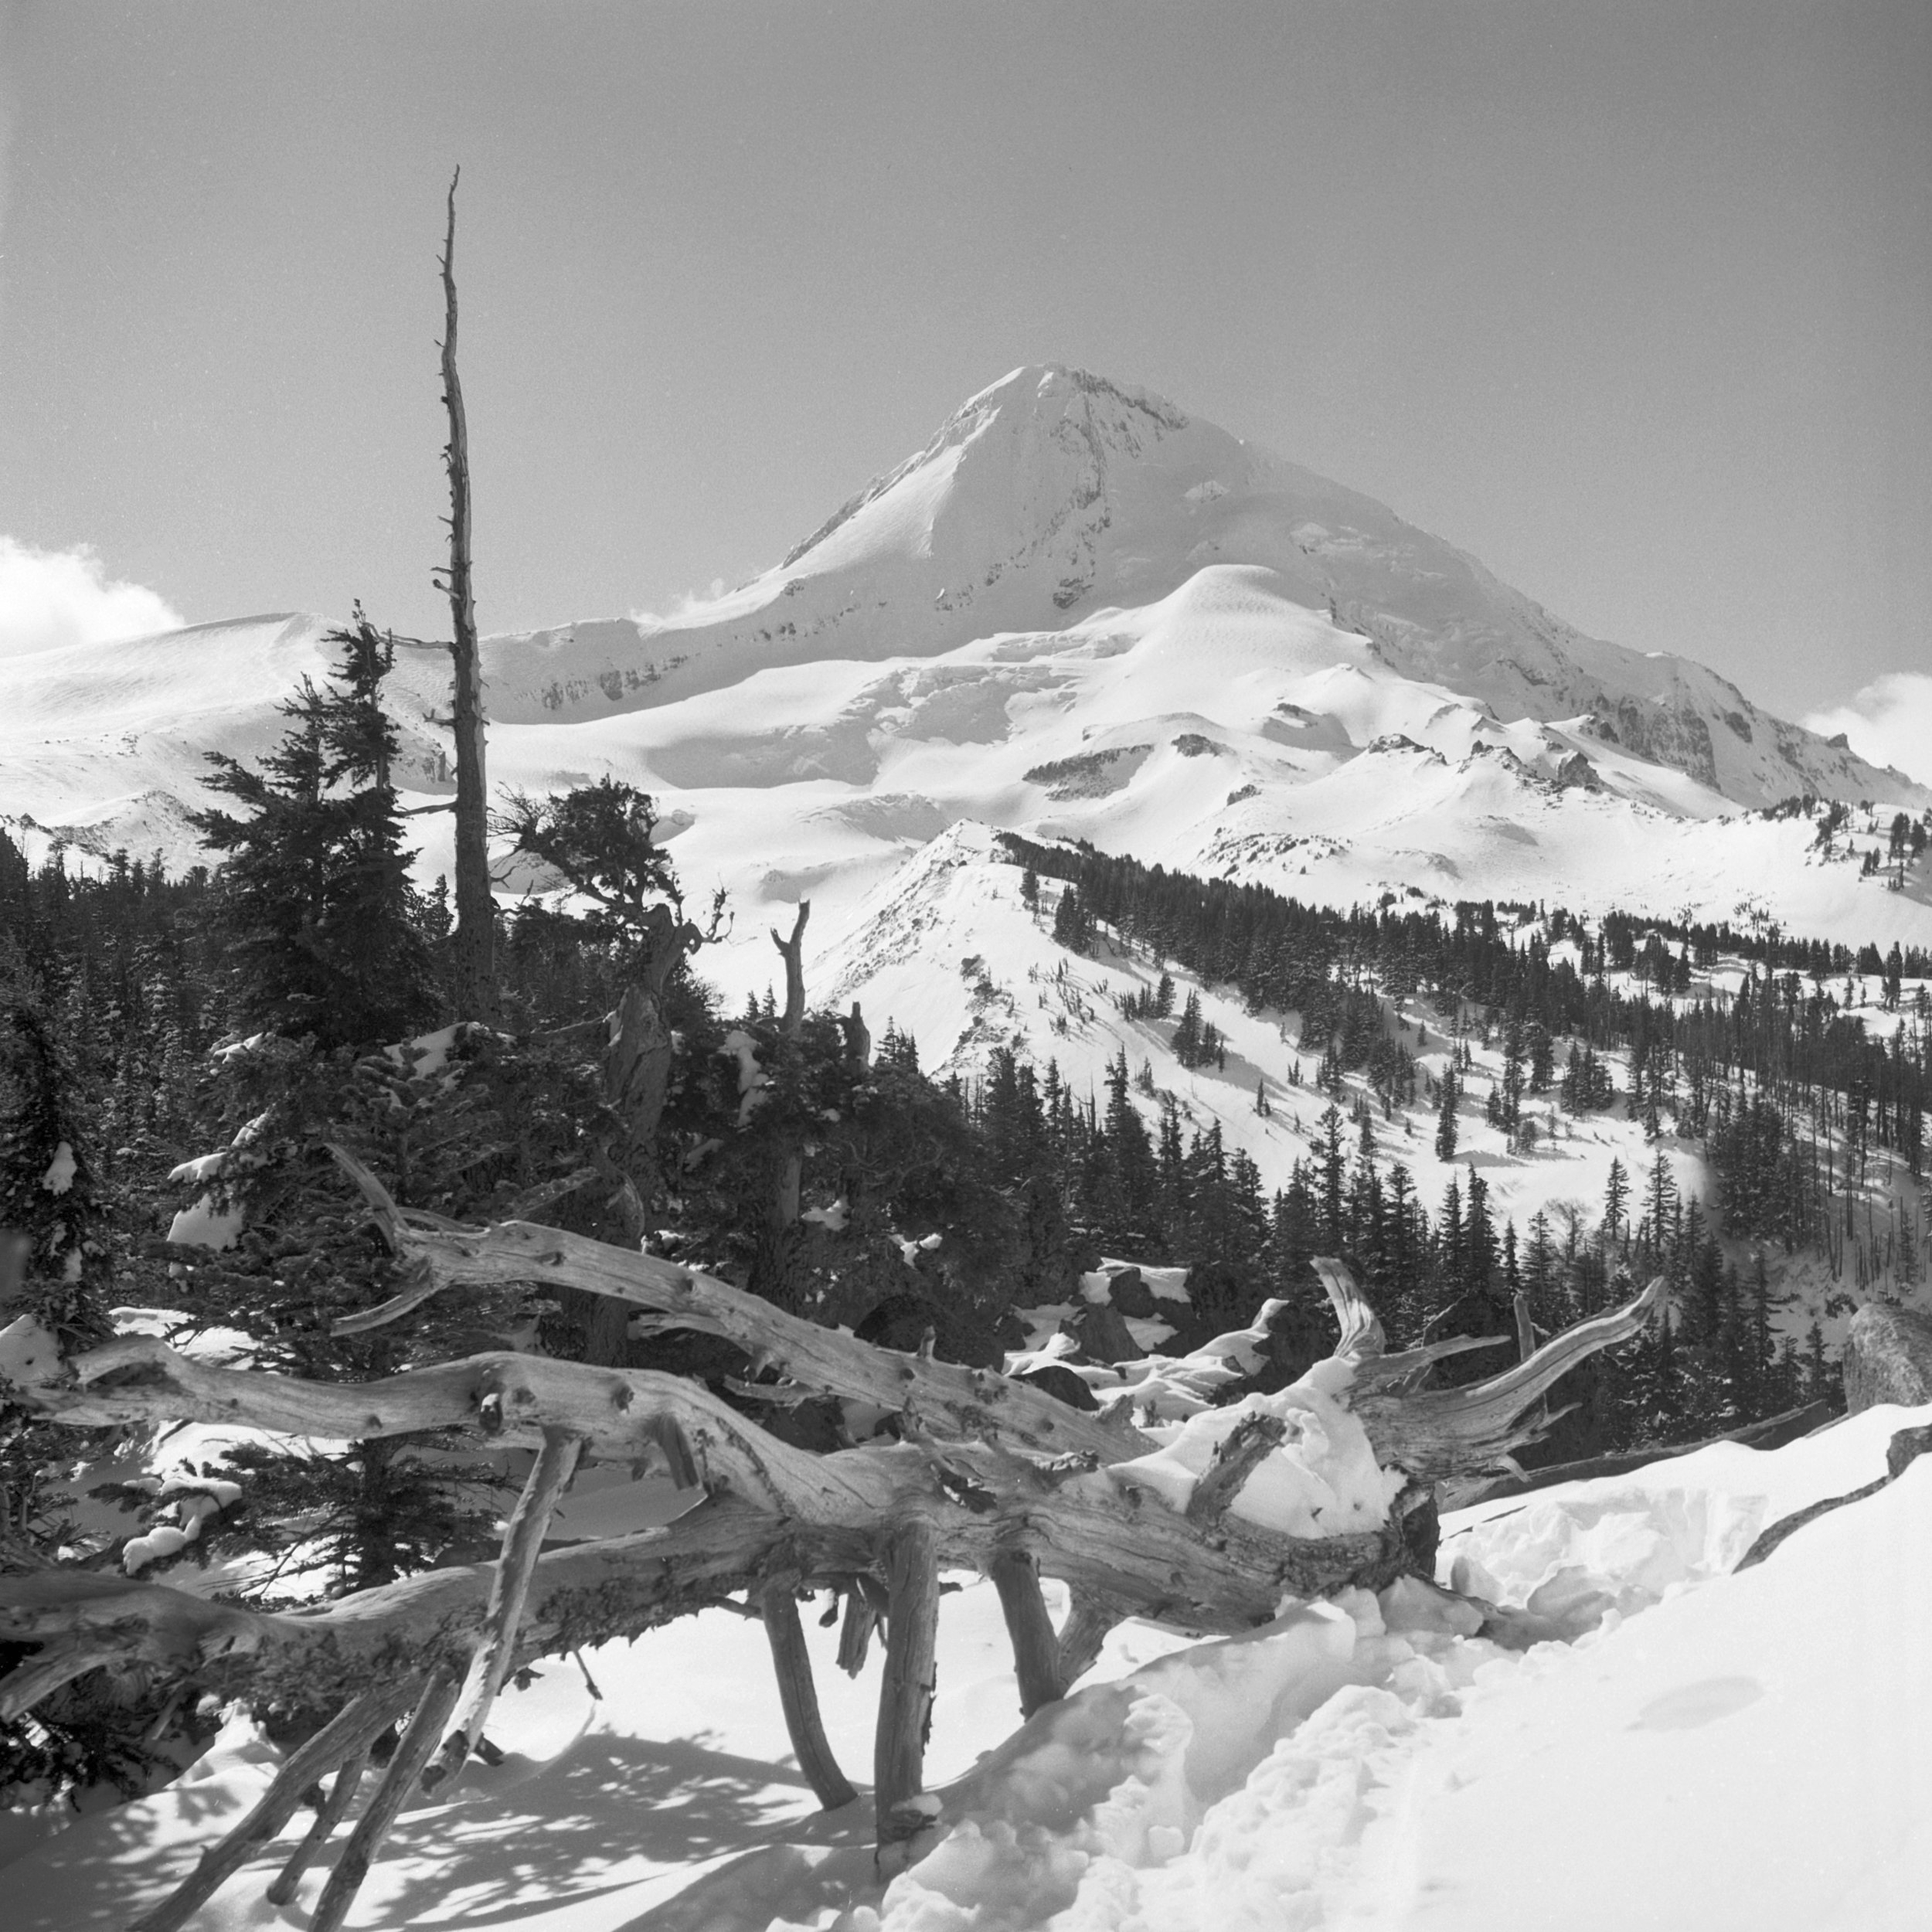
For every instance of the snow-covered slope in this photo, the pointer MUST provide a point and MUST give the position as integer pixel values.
(974, 597)
(1224, 728)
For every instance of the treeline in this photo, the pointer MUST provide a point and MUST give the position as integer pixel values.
(1792, 1095)
(1089, 1177)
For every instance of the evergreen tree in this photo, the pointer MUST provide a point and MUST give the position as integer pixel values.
(1616, 1202)
(1188, 1037)
(1446, 1116)
(323, 929)
(1331, 1168)
(1073, 921)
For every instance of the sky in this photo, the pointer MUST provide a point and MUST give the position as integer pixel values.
(1633, 302)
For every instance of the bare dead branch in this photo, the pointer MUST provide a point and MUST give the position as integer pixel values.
(522, 1543)
(351, 1731)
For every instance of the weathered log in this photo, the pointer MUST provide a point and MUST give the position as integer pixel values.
(906, 1696)
(1905, 1448)
(1429, 1433)
(1085, 1631)
(522, 1544)
(1118, 1543)
(942, 1398)
(329, 1813)
(1772, 1433)
(349, 1733)
(1036, 1650)
(420, 1741)
(989, 1475)
(798, 1697)
(1113, 1540)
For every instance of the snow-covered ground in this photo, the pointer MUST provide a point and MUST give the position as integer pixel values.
(1727, 1753)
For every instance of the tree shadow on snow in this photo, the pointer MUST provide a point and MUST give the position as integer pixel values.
(595, 1823)
(823, 1860)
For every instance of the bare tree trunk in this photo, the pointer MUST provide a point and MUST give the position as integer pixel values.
(348, 1733)
(798, 1696)
(772, 1263)
(1036, 1650)
(475, 938)
(329, 1813)
(522, 1544)
(425, 1732)
(792, 952)
(906, 1698)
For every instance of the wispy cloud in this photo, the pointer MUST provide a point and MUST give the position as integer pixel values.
(1889, 722)
(52, 597)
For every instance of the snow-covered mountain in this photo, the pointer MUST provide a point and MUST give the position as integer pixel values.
(1055, 494)
(1080, 612)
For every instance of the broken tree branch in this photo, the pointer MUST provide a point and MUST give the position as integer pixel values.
(350, 1732)
(522, 1543)
(798, 1696)
(424, 1733)
(912, 1668)
(329, 1813)
(1036, 1650)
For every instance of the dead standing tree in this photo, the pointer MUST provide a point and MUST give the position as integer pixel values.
(777, 1240)
(474, 943)
(988, 1474)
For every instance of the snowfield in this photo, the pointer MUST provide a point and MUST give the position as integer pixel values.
(1733, 1753)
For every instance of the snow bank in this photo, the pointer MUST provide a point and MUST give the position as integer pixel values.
(1216, 1787)
(1322, 1481)
(1684, 1762)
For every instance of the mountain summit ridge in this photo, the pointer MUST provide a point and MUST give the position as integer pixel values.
(1054, 493)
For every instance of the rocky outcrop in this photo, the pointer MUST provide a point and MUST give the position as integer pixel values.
(1577, 774)
(1888, 1357)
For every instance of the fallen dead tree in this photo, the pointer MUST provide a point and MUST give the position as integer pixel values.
(986, 1473)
